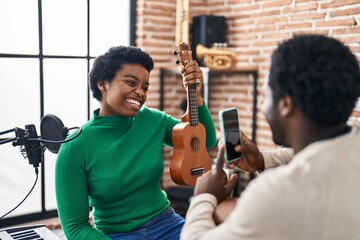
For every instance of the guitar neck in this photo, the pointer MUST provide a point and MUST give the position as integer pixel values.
(192, 105)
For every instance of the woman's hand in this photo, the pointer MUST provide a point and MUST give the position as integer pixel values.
(192, 74)
(224, 209)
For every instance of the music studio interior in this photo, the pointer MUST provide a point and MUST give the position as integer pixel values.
(47, 48)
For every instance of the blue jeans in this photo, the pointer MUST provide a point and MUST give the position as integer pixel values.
(166, 225)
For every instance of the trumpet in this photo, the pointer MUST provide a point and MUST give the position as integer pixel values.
(216, 58)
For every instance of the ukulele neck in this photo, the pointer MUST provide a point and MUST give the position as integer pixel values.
(192, 105)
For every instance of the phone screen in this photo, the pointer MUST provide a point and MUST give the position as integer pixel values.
(231, 133)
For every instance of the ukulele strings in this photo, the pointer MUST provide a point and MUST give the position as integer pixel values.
(195, 120)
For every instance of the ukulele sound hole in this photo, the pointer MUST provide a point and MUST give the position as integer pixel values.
(195, 143)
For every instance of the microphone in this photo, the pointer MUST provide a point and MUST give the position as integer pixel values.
(32, 146)
(34, 150)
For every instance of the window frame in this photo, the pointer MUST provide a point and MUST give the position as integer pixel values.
(44, 213)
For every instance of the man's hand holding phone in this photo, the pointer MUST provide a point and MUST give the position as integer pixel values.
(252, 159)
(240, 151)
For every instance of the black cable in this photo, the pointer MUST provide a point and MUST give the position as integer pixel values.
(37, 176)
(60, 141)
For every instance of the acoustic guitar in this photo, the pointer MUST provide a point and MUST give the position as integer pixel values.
(190, 157)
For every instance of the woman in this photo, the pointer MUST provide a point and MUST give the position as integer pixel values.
(115, 165)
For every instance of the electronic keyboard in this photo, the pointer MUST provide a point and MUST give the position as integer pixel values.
(38, 232)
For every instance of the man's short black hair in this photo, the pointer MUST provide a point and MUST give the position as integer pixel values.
(320, 74)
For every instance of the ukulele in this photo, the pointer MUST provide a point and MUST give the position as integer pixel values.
(190, 157)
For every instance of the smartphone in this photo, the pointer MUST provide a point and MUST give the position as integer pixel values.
(230, 133)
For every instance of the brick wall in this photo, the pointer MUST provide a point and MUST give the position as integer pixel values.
(254, 29)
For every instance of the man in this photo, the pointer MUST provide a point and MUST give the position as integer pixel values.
(313, 85)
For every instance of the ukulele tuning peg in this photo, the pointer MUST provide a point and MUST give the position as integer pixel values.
(175, 52)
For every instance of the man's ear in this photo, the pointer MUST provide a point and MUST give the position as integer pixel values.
(285, 105)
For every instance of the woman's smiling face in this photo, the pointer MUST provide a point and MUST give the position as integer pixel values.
(127, 93)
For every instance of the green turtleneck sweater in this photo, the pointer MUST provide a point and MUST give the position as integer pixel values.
(115, 165)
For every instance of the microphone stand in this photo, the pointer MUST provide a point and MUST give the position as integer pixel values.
(33, 146)
(28, 139)
(9, 139)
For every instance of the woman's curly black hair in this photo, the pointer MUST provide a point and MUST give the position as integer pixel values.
(106, 66)
(320, 74)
